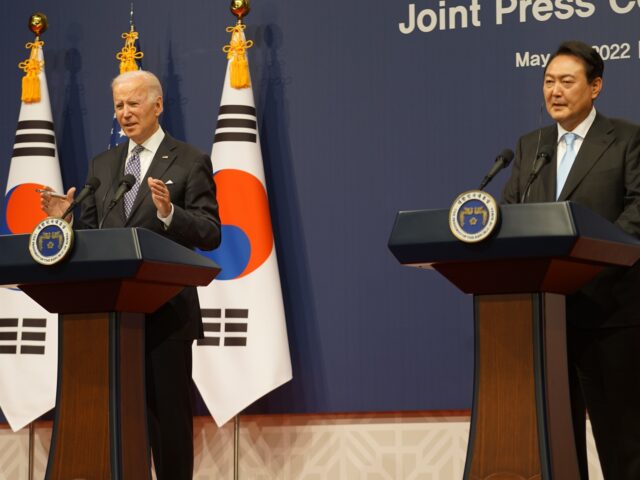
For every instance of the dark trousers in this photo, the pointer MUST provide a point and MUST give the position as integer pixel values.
(604, 380)
(169, 408)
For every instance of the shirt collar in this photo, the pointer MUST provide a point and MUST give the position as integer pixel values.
(152, 143)
(582, 128)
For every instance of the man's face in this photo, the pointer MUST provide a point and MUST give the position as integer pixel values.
(136, 111)
(567, 93)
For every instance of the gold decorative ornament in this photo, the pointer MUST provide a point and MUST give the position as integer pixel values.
(240, 8)
(129, 54)
(32, 66)
(38, 23)
(237, 53)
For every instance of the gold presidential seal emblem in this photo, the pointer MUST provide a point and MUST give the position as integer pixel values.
(50, 241)
(473, 216)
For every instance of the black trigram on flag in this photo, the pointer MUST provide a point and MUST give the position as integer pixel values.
(230, 332)
(236, 123)
(26, 339)
(34, 138)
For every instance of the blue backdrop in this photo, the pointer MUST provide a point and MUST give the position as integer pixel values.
(364, 108)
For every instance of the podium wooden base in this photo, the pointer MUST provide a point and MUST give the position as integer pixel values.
(521, 422)
(100, 427)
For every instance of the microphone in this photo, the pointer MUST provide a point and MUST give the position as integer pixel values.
(502, 161)
(544, 156)
(91, 186)
(126, 183)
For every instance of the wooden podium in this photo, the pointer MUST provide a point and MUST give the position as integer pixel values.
(521, 421)
(102, 291)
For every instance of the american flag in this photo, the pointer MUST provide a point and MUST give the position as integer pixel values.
(117, 135)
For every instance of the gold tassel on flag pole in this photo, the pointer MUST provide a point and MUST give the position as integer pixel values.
(129, 54)
(237, 49)
(33, 66)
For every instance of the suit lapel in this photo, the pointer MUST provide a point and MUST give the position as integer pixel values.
(599, 138)
(116, 167)
(115, 171)
(162, 160)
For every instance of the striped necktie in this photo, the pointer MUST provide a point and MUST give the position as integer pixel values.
(132, 167)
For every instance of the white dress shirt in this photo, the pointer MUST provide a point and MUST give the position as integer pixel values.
(151, 146)
(581, 131)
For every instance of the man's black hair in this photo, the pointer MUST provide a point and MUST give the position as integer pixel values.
(593, 63)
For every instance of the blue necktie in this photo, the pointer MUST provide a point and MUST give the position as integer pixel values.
(566, 163)
(132, 167)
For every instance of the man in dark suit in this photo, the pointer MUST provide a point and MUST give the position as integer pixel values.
(174, 196)
(596, 164)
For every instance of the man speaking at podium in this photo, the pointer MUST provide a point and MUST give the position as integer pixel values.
(596, 164)
(173, 195)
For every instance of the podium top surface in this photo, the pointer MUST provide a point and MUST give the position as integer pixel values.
(535, 230)
(117, 253)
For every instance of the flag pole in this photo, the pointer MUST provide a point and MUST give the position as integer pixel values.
(236, 447)
(32, 432)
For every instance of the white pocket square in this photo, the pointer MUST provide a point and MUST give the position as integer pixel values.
(169, 182)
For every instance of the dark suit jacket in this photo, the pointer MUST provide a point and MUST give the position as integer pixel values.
(605, 177)
(195, 223)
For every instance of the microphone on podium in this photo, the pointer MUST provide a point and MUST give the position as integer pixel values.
(502, 161)
(91, 186)
(545, 154)
(126, 183)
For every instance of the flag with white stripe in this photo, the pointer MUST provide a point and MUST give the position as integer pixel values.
(28, 333)
(245, 352)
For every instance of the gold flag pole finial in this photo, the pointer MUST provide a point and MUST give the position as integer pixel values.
(38, 23)
(129, 54)
(240, 8)
(237, 49)
(32, 67)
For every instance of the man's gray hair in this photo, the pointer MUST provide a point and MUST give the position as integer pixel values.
(151, 81)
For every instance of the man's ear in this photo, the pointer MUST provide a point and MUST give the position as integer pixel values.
(159, 106)
(596, 87)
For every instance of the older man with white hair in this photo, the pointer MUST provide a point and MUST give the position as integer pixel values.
(174, 195)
